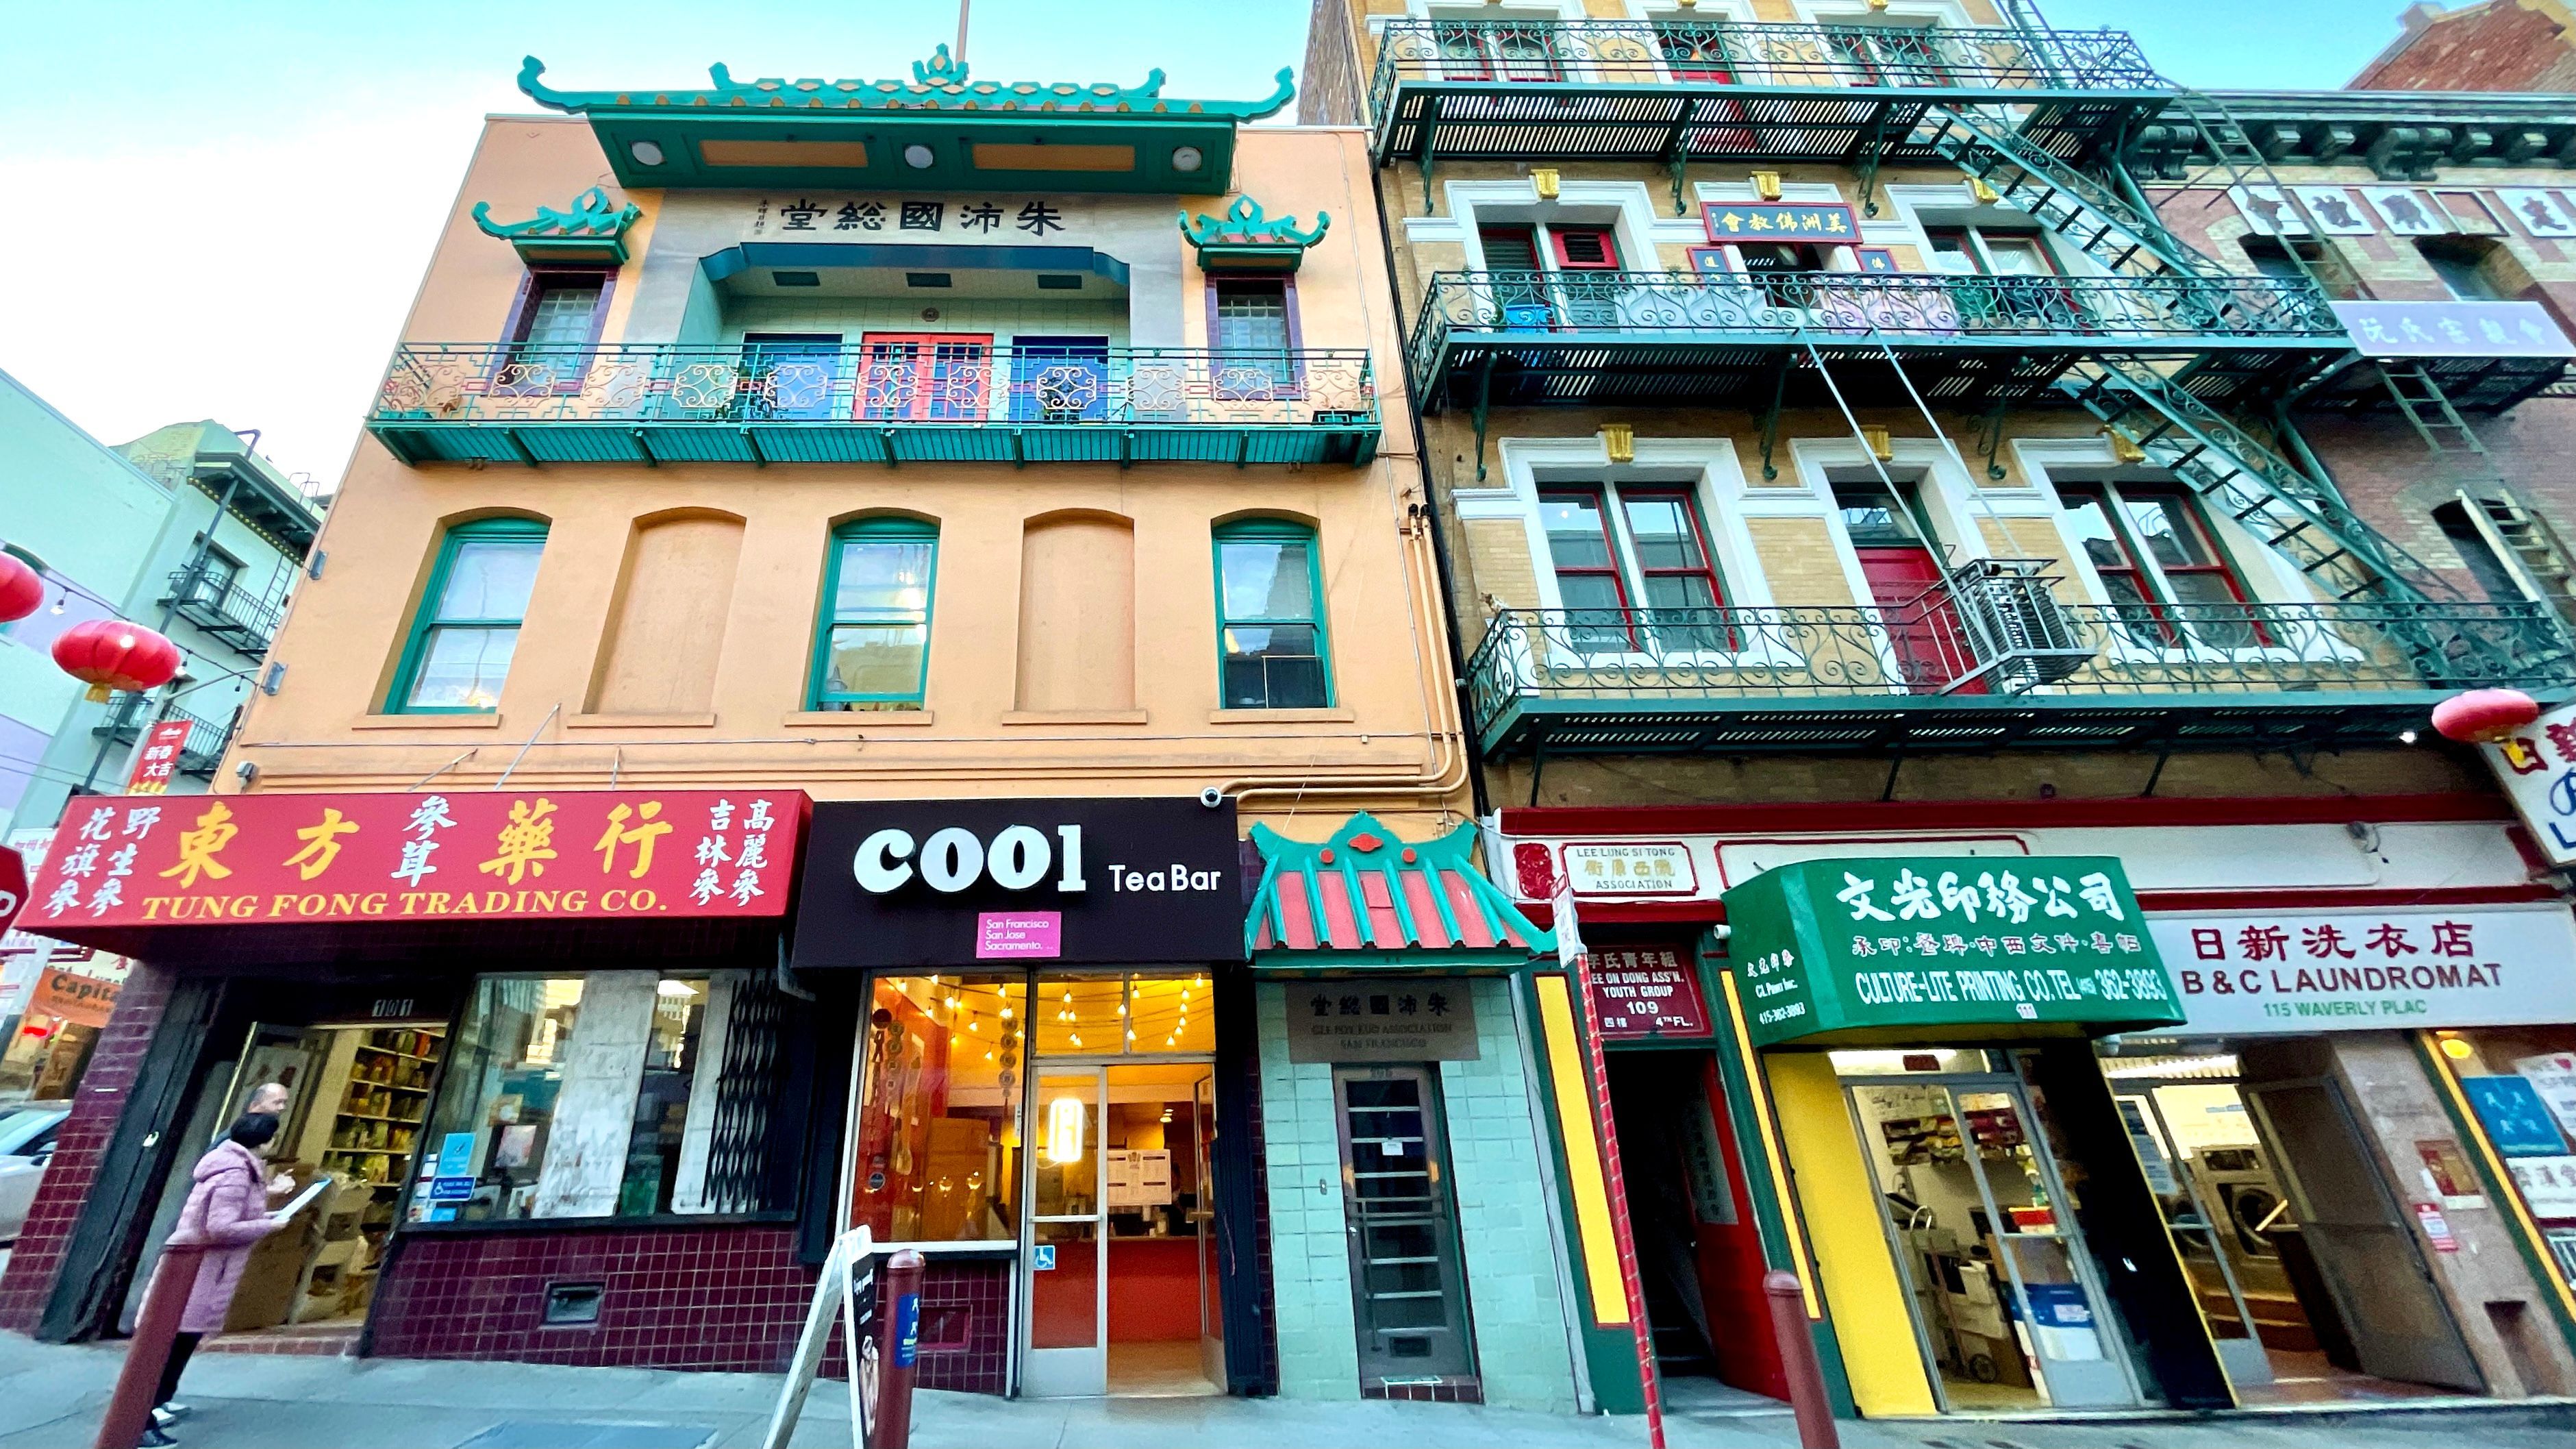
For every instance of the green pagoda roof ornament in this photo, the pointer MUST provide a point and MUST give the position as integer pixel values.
(938, 83)
(1369, 896)
(592, 231)
(1247, 240)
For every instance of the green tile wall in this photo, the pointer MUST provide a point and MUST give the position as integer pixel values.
(1503, 1217)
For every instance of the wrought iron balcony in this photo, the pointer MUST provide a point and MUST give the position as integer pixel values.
(132, 717)
(1713, 89)
(1993, 659)
(1580, 337)
(917, 400)
(224, 609)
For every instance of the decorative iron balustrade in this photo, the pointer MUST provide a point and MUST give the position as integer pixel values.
(1729, 53)
(2002, 631)
(2109, 312)
(224, 609)
(132, 717)
(908, 382)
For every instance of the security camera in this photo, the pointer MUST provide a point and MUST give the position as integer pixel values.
(1212, 797)
(248, 771)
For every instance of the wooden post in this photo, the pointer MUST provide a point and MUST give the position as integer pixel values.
(129, 1409)
(1798, 1361)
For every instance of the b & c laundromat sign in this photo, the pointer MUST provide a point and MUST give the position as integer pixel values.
(2252, 973)
(966, 883)
(1914, 949)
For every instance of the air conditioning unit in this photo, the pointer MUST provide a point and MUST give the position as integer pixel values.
(2023, 639)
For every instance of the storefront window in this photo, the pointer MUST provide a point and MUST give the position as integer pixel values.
(2520, 1082)
(576, 1097)
(1122, 1016)
(938, 1156)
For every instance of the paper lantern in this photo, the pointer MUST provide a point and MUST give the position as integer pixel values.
(22, 589)
(108, 654)
(2484, 716)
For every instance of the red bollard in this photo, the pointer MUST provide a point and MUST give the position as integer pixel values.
(1798, 1361)
(129, 1409)
(898, 1349)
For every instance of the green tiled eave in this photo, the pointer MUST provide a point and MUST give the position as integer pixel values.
(852, 134)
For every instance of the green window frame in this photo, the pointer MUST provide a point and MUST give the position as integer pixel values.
(476, 620)
(875, 564)
(1258, 666)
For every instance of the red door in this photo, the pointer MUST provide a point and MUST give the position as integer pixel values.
(1922, 622)
(1731, 1263)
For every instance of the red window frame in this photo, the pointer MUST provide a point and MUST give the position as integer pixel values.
(1607, 499)
(925, 356)
(1599, 499)
(2143, 573)
(533, 286)
(1558, 238)
(1706, 572)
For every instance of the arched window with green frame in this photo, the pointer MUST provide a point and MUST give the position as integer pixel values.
(872, 639)
(466, 629)
(1274, 651)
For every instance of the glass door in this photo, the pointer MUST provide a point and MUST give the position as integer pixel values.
(1203, 1215)
(1407, 1285)
(1065, 1347)
(2005, 1297)
(2232, 1325)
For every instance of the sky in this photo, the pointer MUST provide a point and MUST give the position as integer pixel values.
(222, 208)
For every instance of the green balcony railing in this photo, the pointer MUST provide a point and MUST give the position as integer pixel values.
(1621, 87)
(1993, 657)
(133, 717)
(225, 609)
(919, 398)
(1686, 331)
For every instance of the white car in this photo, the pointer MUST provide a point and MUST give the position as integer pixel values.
(26, 1145)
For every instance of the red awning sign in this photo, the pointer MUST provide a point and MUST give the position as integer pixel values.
(13, 886)
(480, 855)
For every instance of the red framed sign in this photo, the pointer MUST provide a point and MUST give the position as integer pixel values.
(156, 758)
(469, 855)
(1811, 221)
(1648, 992)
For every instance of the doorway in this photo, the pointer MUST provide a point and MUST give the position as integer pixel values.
(1899, 560)
(2312, 1280)
(358, 1094)
(1408, 1284)
(2007, 1301)
(1118, 1269)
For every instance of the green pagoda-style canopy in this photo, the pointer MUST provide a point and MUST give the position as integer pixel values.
(592, 231)
(936, 132)
(1367, 898)
(1247, 240)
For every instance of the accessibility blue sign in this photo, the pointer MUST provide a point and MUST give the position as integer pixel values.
(1042, 1258)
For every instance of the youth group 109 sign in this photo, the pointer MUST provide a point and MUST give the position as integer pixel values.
(1897, 948)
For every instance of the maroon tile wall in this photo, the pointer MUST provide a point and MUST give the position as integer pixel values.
(38, 1258)
(728, 1298)
(678, 1298)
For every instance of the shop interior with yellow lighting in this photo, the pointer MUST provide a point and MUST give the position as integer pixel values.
(1070, 1120)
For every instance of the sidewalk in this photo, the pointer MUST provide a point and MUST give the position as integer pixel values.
(51, 1396)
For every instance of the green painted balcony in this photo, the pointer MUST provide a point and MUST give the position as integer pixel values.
(917, 401)
(1995, 658)
(1737, 339)
(1761, 93)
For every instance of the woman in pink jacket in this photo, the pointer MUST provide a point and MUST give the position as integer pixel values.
(228, 1212)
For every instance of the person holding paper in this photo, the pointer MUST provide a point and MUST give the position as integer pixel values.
(226, 1211)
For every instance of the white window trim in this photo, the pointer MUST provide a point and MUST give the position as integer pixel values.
(1949, 13)
(1717, 489)
(2270, 581)
(1909, 200)
(1634, 221)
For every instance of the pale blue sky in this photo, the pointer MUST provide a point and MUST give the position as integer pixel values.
(224, 205)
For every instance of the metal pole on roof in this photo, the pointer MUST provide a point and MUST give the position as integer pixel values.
(962, 7)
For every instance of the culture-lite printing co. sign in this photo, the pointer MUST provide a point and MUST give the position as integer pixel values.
(945, 883)
(1956, 947)
(2246, 973)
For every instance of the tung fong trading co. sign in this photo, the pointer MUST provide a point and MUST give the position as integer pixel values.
(2253, 973)
(1916, 949)
(949, 883)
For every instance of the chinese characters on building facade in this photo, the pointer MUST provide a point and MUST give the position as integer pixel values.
(852, 218)
(2254, 973)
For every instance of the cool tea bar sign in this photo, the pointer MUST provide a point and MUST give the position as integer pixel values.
(1897, 949)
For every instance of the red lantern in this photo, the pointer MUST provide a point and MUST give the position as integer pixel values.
(113, 654)
(22, 589)
(2484, 716)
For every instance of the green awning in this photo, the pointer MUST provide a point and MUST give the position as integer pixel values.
(1366, 898)
(1246, 240)
(936, 132)
(1924, 950)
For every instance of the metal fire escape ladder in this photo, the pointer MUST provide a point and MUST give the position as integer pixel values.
(2083, 211)
(2296, 515)
(2529, 548)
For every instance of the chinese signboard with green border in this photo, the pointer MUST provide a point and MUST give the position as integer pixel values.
(1943, 948)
